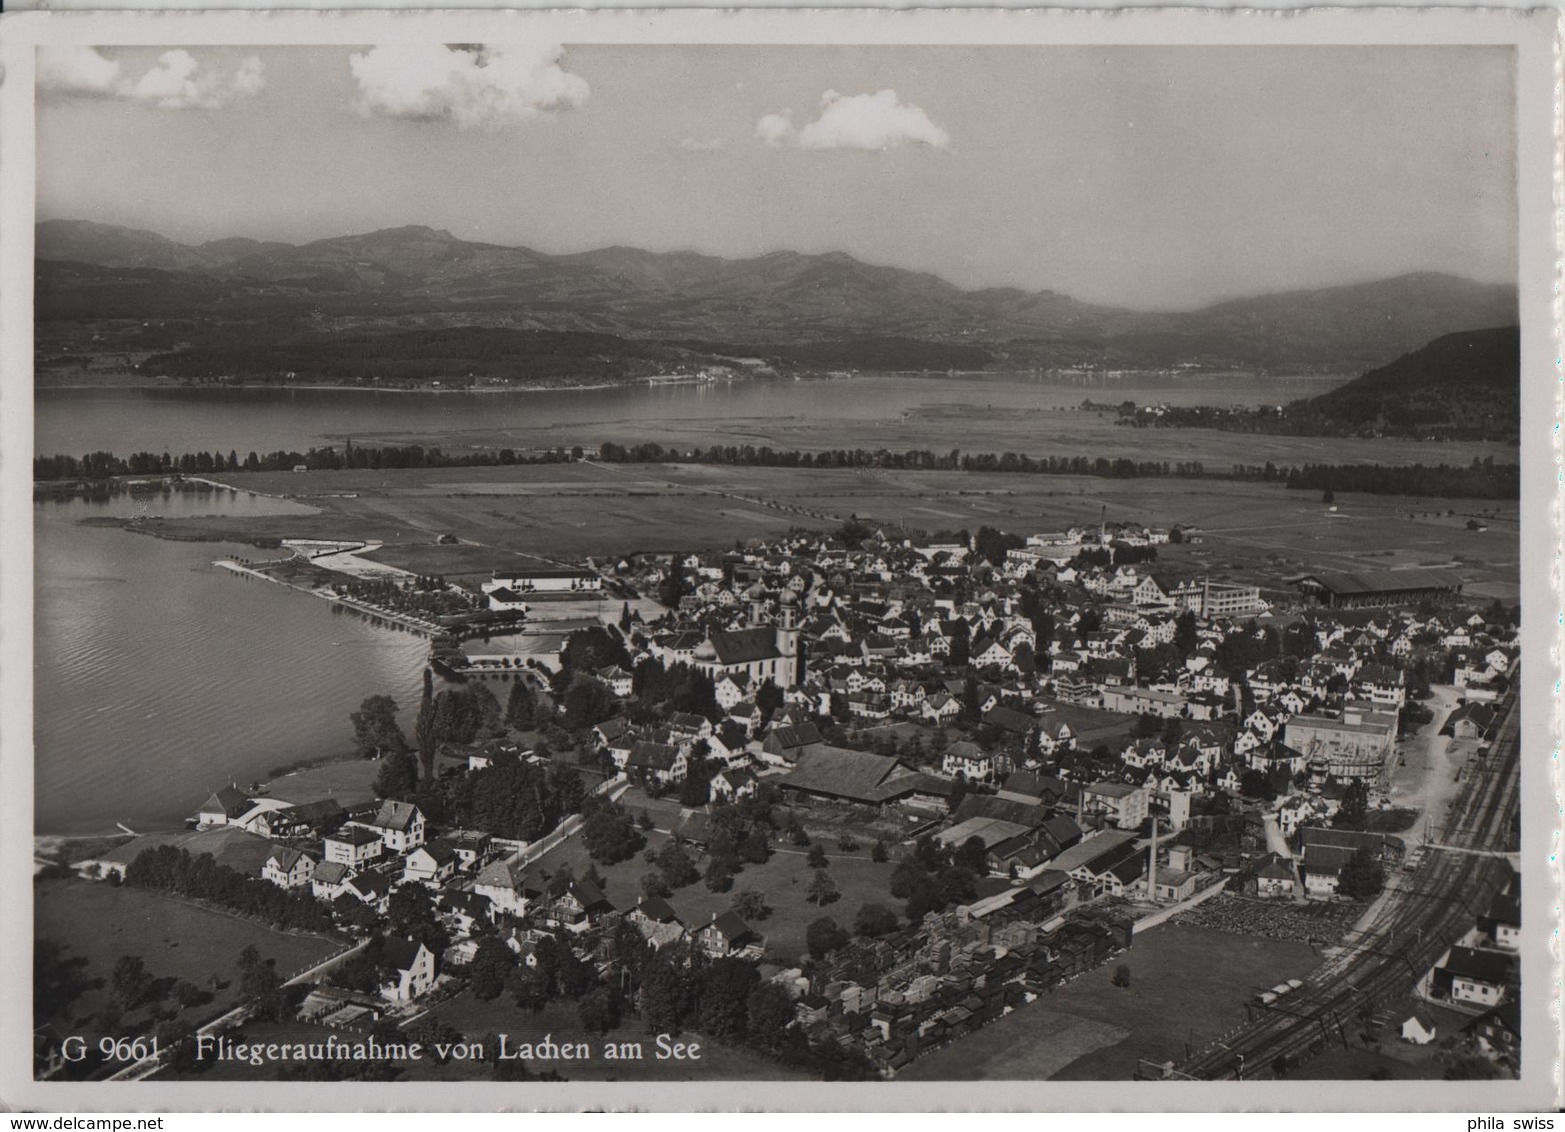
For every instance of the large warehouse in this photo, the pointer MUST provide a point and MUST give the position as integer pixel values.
(1374, 588)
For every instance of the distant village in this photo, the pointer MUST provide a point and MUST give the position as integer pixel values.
(1048, 742)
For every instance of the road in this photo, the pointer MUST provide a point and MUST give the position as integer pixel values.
(1424, 913)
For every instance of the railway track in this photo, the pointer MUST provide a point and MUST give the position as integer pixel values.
(1425, 912)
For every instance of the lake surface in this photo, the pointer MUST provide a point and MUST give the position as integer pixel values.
(159, 677)
(181, 420)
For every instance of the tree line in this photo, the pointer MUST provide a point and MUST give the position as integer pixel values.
(1482, 480)
(174, 871)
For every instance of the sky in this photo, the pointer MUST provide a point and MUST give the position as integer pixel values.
(1150, 177)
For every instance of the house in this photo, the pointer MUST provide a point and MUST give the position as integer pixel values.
(1274, 879)
(399, 825)
(787, 741)
(353, 846)
(432, 864)
(222, 807)
(1174, 885)
(940, 708)
(411, 967)
(464, 911)
(508, 886)
(1469, 721)
(724, 935)
(973, 763)
(734, 785)
(1473, 976)
(1503, 922)
(370, 889)
(1497, 1033)
(288, 868)
(616, 679)
(1120, 803)
(657, 922)
(659, 762)
(1323, 865)
(1418, 1027)
(580, 906)
(326, 882)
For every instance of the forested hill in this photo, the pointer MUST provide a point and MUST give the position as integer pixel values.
(1464, 386)
(866, 315)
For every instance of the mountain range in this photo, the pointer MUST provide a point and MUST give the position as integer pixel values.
(783, 304)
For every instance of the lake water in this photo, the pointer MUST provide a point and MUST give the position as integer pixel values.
(160, 677)
(191, 420)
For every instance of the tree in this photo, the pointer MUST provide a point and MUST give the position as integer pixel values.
(492, 965)
(817, 858)
(1363, 876)
(599, 1011)
(424, 728)
(1121, 976)
(653, 884)
(874, 920)
(131, 983)
(1257, 784)
(1353, 811)
(824, 936)
(398, 776)
(610, 836)
(972, 854)
(375, 728)
(724, 993)
(768, 1016)
(878, 853)
(750, 905)
(261, 985)
(822, 889)
(521, 705)
(720, 872)
(677, 867)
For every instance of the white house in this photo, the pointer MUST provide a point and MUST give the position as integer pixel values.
(411, 967)
(288, 868)
(399, 825)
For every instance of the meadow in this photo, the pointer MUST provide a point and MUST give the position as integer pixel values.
(176, 939)
(537, 514)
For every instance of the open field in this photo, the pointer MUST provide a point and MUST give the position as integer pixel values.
(1180, 992)
(534, 515)
(176, 940)
(349, 780)
(938, 424)
(782, 880)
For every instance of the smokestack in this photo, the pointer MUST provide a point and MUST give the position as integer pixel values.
(1152, 866)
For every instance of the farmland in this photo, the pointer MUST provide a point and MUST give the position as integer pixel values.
(524, 515)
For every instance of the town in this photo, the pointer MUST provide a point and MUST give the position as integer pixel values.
(841, 800)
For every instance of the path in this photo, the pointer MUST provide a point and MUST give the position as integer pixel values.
(613, 788)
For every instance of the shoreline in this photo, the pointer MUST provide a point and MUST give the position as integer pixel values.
(52, 844)
(1062, 376)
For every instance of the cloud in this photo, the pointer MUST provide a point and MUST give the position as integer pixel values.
(77, 71)
(856, 121)
(473, 86)
(177, 81)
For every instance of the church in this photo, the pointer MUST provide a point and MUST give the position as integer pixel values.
(755, 654)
